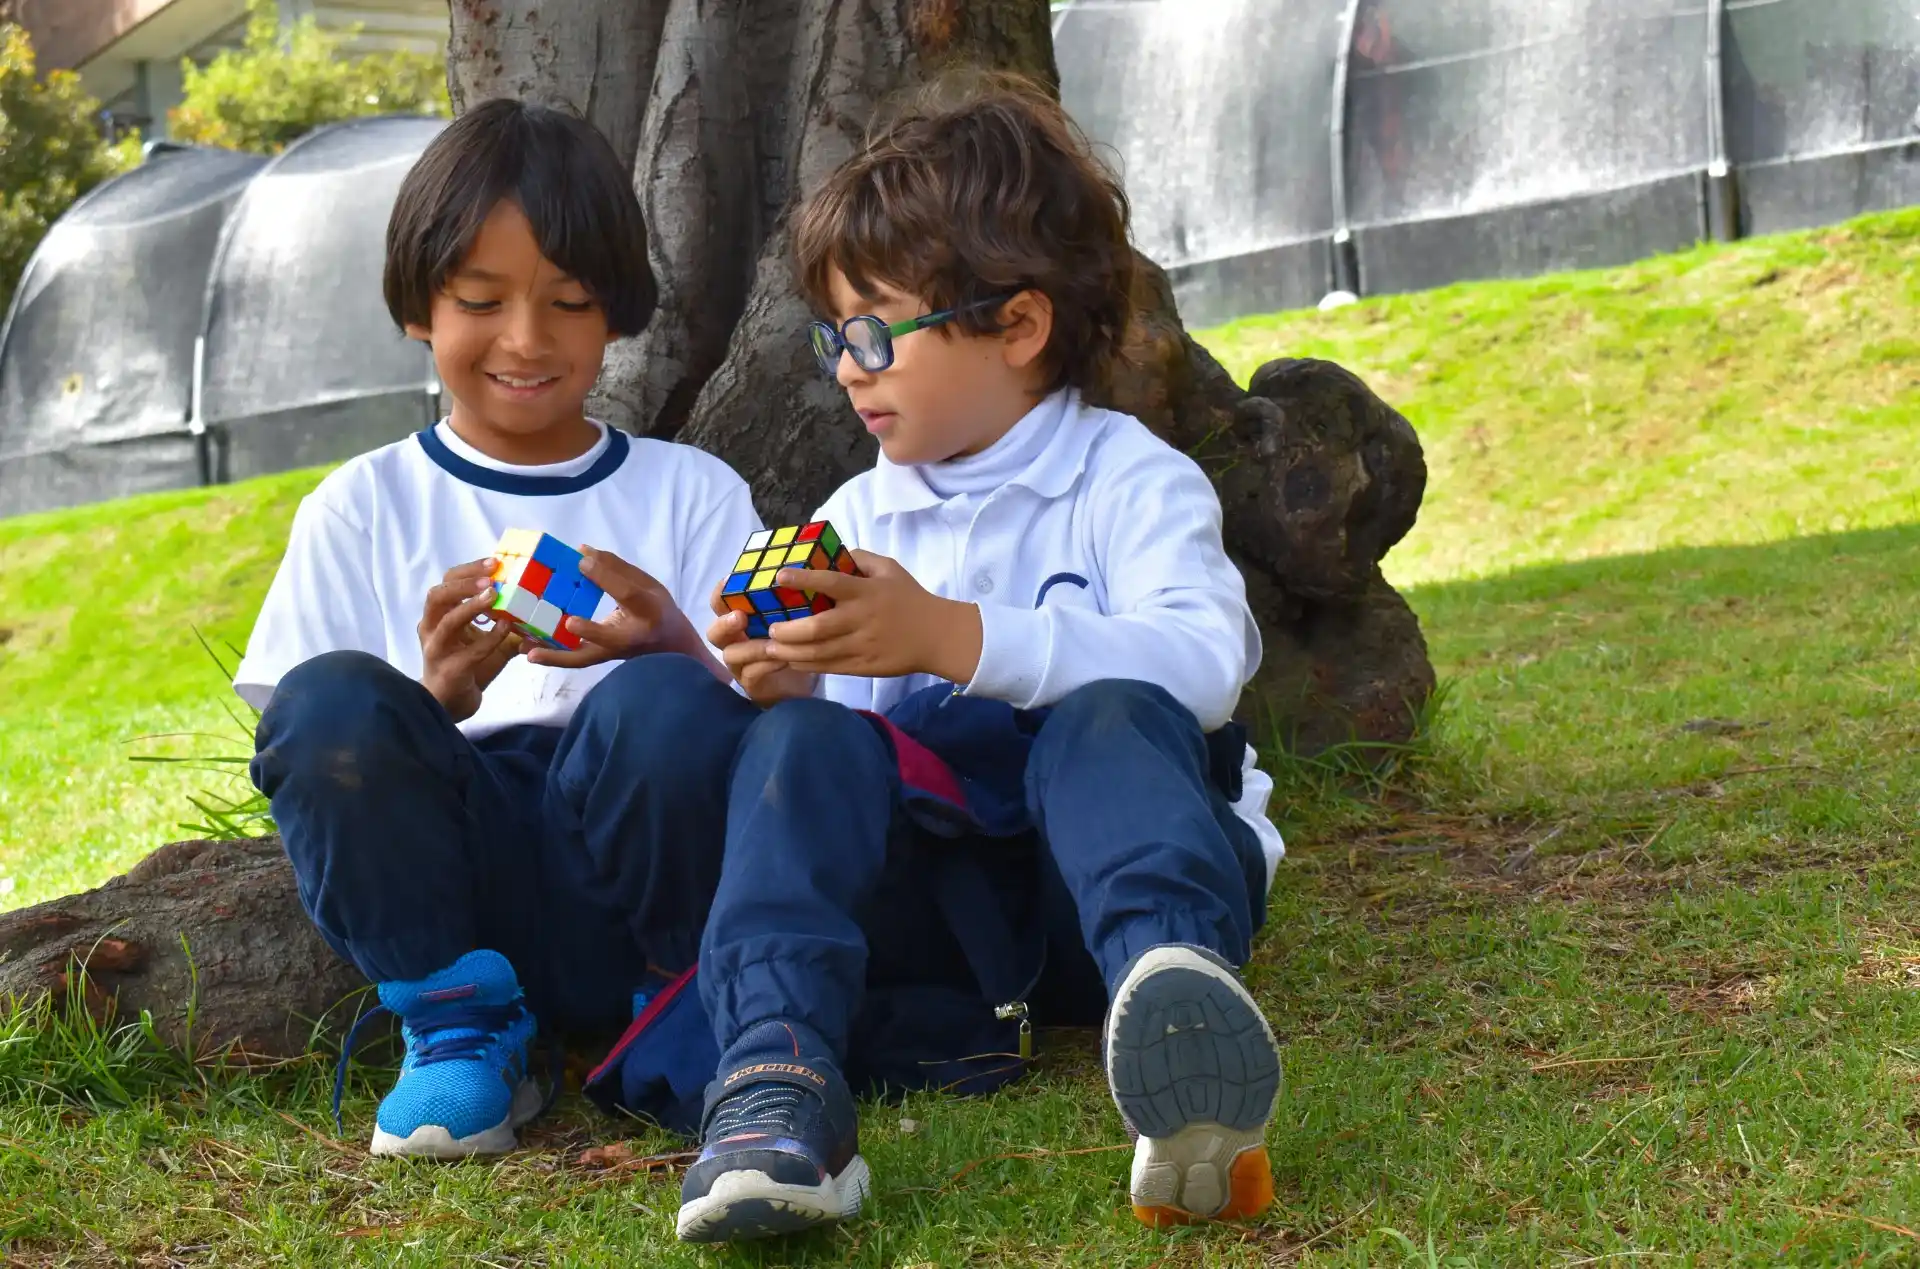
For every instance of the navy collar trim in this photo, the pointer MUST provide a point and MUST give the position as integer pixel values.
(508, 482)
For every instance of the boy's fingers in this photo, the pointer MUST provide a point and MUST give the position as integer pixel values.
(450, 632)
(498, 657)
(831, 624)
(834, 585)
(476, 646)
(753, 676)
(747, 652)
(615, 576)
(603, 635)
(720, 608)
(813, 655)
(460, 574)
(450, 594)
(568, 658)
(728, 630)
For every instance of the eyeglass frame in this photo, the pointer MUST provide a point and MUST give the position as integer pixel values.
(888, 333)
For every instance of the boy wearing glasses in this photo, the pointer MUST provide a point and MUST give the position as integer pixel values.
(1048, 631)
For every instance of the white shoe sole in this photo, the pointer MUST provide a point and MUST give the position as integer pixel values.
(1194, 1069)
(1200, 1171)
(751, 1204)
(431, 1141)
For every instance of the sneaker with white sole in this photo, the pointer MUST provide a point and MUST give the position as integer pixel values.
(463, 1088)
(780, 1153)
(1195, 1072)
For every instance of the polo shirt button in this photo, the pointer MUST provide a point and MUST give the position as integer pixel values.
(983, 583)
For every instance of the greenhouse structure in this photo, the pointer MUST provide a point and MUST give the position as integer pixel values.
(1279, 150)
(209, 316)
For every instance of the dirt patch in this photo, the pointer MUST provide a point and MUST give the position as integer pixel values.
(1505, 858)
(1889, 957)
(1732, 996)
(1427, 860)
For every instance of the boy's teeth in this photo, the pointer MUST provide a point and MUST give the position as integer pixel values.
(512, 382)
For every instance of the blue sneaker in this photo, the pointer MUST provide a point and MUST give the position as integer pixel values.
(780, 1153)
(463, 1088)
(1194, 1069)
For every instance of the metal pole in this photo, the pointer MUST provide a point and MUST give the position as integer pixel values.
(196, 423)
(1723, 198)
(1346, 262)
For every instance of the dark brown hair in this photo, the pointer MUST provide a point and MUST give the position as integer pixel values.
(566, 180)
(979, 186)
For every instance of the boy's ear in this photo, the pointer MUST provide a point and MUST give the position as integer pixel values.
(417, 331)
(1026, 324)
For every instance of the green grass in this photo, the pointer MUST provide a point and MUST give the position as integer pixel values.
(1728, 394)
(1618, 970)
(99, 611)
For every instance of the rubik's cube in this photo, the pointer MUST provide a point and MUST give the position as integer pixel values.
(537, 586)
(750, 588)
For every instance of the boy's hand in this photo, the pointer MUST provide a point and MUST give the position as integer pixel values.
(764, 678)
(881, 625)
(646, 620)
(461, 660)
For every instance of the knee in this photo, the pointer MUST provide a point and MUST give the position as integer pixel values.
(334, 698)
(827, 734)
(1115, 705)
(327, 714)
(661, 692)
(661, 717)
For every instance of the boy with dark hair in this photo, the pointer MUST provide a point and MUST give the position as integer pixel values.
(488, 829)
(1049, 631)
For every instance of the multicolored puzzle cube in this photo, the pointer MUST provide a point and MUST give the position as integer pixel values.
(750, 588)
(537, 585)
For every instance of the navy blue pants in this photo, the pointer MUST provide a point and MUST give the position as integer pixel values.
(584, 855)
(1133, 845)
(592, 856)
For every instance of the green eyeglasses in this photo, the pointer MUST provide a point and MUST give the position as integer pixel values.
(870, 340)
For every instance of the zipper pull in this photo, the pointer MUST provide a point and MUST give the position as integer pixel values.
(1018, 1009)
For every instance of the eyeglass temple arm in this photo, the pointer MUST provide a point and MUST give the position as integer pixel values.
(946, 314)
(920, 323)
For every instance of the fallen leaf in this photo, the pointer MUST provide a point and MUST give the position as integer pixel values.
(605, 1156)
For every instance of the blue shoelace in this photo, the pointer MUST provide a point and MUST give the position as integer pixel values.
(479, 1025)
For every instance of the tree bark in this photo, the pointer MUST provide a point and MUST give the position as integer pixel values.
(727, 110)
(207, 937)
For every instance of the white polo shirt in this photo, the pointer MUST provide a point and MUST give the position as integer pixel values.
(1093, 551)
(381, 531)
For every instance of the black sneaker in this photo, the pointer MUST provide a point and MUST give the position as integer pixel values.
(1194, 1069)
(780, 1153)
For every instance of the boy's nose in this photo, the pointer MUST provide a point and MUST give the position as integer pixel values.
(849, 372)
(525, 332)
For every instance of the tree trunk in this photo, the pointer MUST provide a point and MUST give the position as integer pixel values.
(728, 109)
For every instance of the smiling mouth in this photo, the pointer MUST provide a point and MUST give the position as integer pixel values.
(523, 383)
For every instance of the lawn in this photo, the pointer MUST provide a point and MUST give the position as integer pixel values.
(1619, 971)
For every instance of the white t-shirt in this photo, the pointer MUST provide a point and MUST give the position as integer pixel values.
(382, 530)
(1093, 551)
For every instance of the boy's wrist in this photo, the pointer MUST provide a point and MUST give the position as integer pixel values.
(683, 638)
(956, 642)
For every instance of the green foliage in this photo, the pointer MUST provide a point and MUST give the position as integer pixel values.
(283, 84)
(50, 152)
